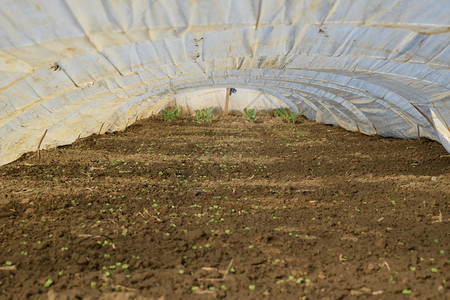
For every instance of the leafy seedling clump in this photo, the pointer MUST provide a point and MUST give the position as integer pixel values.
(204, 115)
(250, 114)
(286, 114)
(171, 115)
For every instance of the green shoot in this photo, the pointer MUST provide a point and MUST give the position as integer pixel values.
(204, 115)
(250, 114)
(171, 114)
(286, 114)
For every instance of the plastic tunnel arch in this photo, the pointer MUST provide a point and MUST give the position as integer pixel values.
(69, 69)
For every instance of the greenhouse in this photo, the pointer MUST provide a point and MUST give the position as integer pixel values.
(167, 149)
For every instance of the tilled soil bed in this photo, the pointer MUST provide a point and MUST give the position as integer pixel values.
(229, 209)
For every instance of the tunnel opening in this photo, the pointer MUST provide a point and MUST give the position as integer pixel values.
(224, 100)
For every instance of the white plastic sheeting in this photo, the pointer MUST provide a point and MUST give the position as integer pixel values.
(71, 68)
(238, 100)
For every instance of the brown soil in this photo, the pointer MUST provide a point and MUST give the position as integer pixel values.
(231, 210)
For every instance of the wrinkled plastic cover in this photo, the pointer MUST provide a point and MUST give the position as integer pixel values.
(72, 68)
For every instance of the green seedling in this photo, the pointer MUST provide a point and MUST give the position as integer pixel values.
(278, 112)
(204, 115)
(171, 114)
(48, 283)
(286, 114)
(250, 114)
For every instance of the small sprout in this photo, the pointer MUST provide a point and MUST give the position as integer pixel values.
(299, 280)
(181, 271)
(93, 284)
(223, 287)
(228, 231)
(436, 241)
(250, 246)
(434, 270)
(250, 114)
(291, 277)
(286, 114)
(8, 263)
(61, 273)
(211, 288)
(412, 268)
(252, 287)
(406, 292)
(171, 114)
(207, 245)
(194, 288)
(48, 283)
(232, 270)
(107, 274)
(204, 115)
(125, 266)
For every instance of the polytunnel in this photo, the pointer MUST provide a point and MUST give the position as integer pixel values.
(70, 68)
